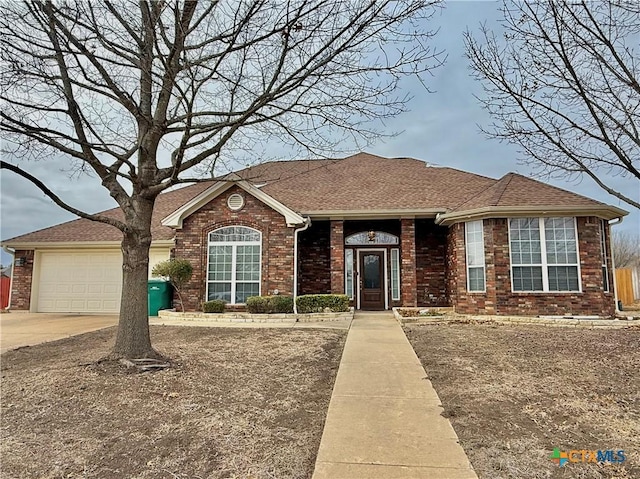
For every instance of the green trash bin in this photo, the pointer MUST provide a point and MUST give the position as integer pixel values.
(160, 294)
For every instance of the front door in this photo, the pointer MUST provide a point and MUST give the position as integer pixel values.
(372, 280)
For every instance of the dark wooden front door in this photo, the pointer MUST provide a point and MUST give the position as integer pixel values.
(371, 280)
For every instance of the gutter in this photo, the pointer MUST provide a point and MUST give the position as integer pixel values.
(615, 221)
(7, 250)
(605, 212)
(307, 223)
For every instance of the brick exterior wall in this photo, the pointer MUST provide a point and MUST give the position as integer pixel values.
(277, 244)
(337, 256)
(433, 265)
(499, 299)
(431, 244)
(314, 259)
(21, 284)
(408, 284)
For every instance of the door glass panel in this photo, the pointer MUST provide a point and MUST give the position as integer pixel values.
(372, 271)
(348, 275)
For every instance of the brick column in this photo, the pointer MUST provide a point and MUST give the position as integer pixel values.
(21, 284)
(491, 301)
(337, 256)
(408, 280)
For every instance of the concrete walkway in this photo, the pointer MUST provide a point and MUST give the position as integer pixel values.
(384, 418)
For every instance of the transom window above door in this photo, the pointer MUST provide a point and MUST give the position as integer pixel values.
(233, 270)
(371, 238)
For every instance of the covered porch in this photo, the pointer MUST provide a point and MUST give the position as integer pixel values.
(378, 263)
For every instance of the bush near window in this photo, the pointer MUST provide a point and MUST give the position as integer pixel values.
(319, 303)
(269, 304)
(215, 306)
(178, 271)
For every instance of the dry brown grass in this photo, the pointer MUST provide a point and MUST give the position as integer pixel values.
(514, 393)
(238, 403)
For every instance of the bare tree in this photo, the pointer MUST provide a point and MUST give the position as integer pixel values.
(626, 249)
(561, 81)
(148, 94)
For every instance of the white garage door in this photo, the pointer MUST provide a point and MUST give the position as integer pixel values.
(82, 281)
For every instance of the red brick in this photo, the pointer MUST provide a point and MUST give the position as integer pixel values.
(277, 244)
(337, 256)
(408, 280)
(499, 299)
(21, 283)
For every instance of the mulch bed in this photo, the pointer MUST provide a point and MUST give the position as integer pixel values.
(514, 393)
(236, 403)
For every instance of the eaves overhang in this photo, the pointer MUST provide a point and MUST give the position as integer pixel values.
(605, 212)
(175, 219)
(39, 245)
(373, 214)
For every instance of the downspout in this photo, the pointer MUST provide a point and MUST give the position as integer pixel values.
(617, 221)
(7, 250)
(307, 223)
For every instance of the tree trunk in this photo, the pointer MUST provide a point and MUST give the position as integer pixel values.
(133, 340)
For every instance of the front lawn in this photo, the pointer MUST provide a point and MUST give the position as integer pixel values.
(514, 393)
(247, 403)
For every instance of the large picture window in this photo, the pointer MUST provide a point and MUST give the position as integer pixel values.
(544, 254)
(474, 245)
(234, 264)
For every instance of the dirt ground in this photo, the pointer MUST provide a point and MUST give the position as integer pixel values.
(237, 403)
(514, 393)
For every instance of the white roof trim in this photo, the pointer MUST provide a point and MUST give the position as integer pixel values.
(42, 245)
(175, 219)
(374, 214)
(602, 211)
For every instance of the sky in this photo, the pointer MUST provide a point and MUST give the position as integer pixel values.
(440, 128)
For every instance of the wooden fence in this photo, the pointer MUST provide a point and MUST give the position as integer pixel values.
(624, 282)
(5, 284)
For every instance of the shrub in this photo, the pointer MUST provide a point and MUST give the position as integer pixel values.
(269, 304)
(215, 306)
(177, 271)
(319, 303)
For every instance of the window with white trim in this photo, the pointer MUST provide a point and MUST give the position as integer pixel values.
(395, 274)
(348, 273)
(544, 254)
(603, 251)
(233, 272)
(474, 247)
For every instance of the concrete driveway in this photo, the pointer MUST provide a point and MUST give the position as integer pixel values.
(28, 329)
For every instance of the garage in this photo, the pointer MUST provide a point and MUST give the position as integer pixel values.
(88, 281)
(79, 282)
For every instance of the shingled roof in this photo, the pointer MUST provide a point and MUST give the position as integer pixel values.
(517, 190)
(83, 230)
(361, 182)
(365, 182)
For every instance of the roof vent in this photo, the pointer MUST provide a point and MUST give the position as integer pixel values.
(235, 202)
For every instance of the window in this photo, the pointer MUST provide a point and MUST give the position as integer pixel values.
(348, 273)
(395, 274)
(234, 264)
(474, 245)
(544, 254)
(371, 238)
(603, 251)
